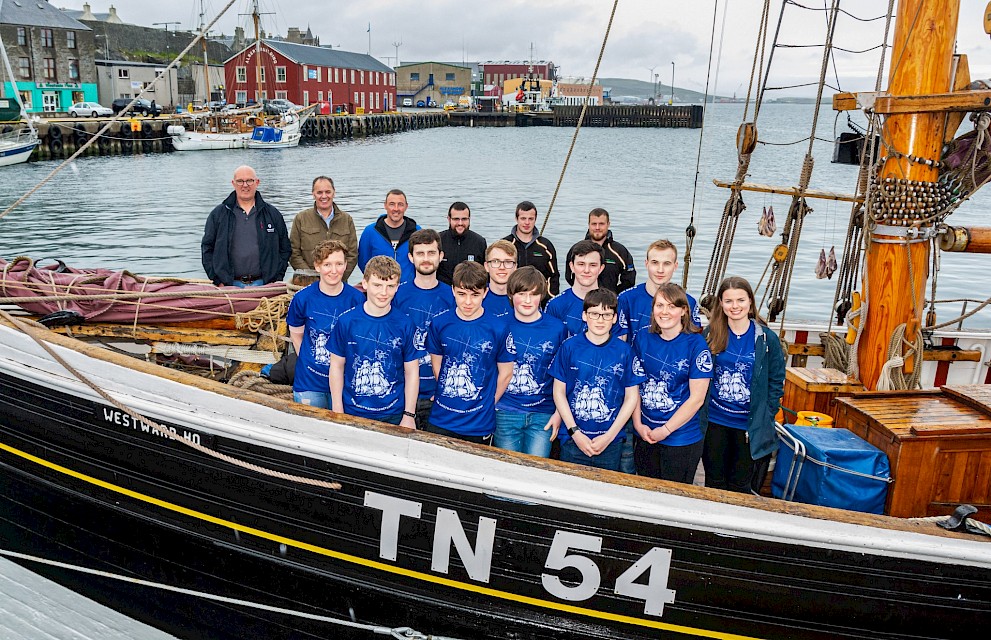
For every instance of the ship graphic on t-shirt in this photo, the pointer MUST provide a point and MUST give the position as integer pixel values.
(523, 382)
(654, 394)
(732, 386)
(458, 383)
(370, 379)
(319, 341)
(590, 403)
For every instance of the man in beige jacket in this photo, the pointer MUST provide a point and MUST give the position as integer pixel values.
(323, 221)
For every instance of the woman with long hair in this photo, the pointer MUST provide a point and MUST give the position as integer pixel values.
(745, 394)
(676, 361)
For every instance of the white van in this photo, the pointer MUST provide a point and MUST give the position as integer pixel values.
(407, 102)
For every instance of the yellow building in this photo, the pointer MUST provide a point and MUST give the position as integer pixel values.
(431, 83)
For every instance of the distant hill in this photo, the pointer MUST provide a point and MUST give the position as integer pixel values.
(624, 87)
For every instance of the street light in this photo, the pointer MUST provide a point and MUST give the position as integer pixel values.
(672, 82)
(652, 75)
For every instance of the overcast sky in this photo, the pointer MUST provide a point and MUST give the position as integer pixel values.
(645, 34)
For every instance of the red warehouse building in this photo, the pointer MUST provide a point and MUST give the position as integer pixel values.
(306, 74)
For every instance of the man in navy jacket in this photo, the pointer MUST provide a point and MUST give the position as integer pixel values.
(245, 242)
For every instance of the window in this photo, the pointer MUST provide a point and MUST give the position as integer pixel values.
(352, 76)
(123, 74)
(159, 73)
(70, 39)
(335, 74)
(50, 69)
(306, 98)
(319, 96)
(362, 77)
(449, 77)
(47, 38)
(22, 36)
(280, 74)
(148, 86)
(281, 95)
(261, 76)
(242, 74)
(73, 69)
(414, 77)
(240, 97)
(24, 67)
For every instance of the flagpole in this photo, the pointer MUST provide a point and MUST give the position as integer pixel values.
(369, 38)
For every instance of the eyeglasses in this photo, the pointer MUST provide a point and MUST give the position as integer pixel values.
(600, 315)
(245, 183)
(505, 264)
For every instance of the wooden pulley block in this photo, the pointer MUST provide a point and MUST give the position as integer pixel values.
(746, 138)
(780, 253)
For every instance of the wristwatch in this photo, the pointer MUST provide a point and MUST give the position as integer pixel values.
(572, 430)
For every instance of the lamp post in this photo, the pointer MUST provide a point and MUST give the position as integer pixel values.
(652, 74)
(672, 83)
(656, 85)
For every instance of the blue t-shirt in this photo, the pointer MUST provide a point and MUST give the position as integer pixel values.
(729, 402)
(533, 345)
(596, 376)
(567, 308)
(635, 309)
(497, 305)
(375, 350)
(317, 313)
(669, 365)
(470, 350)
(422, 305)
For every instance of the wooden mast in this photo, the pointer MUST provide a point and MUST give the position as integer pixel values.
(895, 276)
(206, 61)
(258, 53)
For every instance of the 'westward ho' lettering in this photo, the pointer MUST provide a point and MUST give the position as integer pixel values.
(121, 419)
(570, 552)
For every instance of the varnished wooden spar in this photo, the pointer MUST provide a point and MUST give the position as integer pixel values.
(966, 239)
(896, 275)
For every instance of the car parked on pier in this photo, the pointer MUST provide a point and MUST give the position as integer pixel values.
(278, 106)
(89, 110)
(142, 106)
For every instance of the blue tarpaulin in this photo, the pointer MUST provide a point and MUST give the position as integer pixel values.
(832, 468)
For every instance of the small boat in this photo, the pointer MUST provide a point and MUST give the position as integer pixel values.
(283, 135)
(17, 141)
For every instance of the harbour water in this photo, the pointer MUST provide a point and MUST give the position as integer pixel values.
(146, 213)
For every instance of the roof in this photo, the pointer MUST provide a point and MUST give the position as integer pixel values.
(322, 56)
(37, 13)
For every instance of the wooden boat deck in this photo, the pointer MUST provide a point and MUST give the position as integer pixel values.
(938, 443)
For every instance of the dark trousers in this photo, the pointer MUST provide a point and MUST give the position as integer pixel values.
(423, 407)
(675, 463)
(727, 461)
(486, 440)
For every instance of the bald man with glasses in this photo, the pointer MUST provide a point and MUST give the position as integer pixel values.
(245, 242)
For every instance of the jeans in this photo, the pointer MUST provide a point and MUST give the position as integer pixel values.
(608, 459)
(257, 283)
(626, 461)
(516, 431)
(675, 463)
(317, 399)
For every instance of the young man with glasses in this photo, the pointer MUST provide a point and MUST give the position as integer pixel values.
(458, 242)
(245, 242)
(595, 387)
(500, 263)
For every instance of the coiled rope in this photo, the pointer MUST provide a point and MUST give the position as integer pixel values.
(32, 331)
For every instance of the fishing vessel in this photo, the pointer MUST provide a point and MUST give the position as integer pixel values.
(209, 509)
(238, 129)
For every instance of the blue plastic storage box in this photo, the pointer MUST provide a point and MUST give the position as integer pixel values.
(831, 468)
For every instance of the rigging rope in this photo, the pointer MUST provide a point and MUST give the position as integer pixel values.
(690, 229)
(397, 632)
(581, 116)
(123, 114)
(36, 335)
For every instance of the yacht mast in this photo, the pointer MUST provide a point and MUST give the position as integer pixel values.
(206, 59)
(255, 17)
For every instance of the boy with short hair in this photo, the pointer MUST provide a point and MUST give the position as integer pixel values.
(422, 299)
(500, 263)
(586, 263)
(526, 419)
(595, 387)
(374, 363)
(467, 348)
(636, 304)
(313, 313)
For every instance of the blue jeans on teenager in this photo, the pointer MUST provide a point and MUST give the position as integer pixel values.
(257, 283)
(317, 399)
(524, 432)
(627, 462)
(608, 459)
